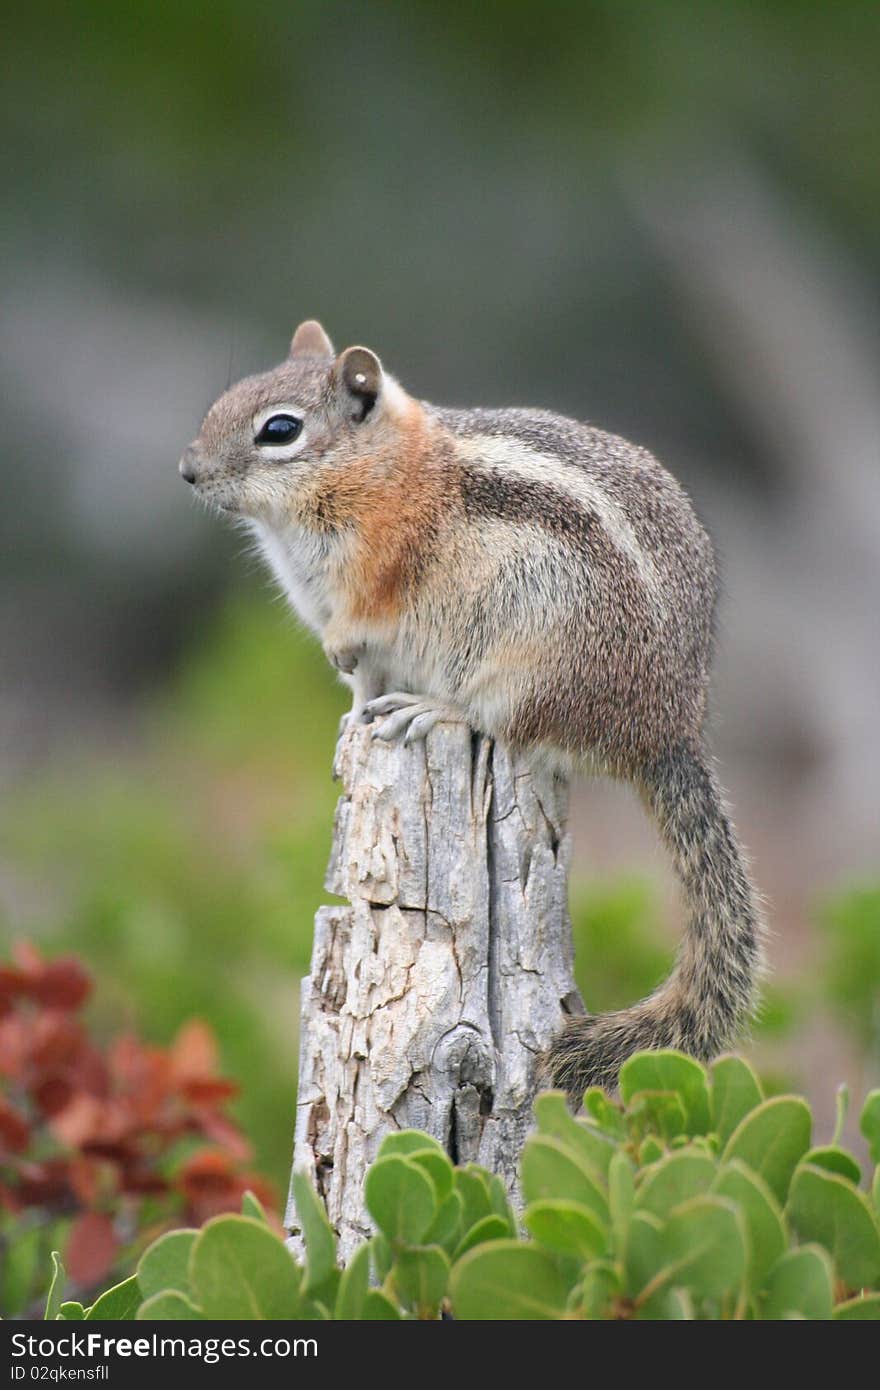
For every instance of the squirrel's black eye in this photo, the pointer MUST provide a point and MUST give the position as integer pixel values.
(280, 429)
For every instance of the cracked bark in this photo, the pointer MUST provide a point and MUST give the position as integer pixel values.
(432, 994)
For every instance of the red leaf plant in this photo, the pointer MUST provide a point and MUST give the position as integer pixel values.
(125, 1140)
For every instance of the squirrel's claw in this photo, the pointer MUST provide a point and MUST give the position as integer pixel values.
(395, 700)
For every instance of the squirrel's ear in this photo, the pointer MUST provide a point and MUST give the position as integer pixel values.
(310, 340)
(358, 375)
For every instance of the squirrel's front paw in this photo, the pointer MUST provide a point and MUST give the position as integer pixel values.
(344, 658)
(414, 716)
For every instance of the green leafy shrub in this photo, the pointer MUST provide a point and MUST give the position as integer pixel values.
(695, 1197)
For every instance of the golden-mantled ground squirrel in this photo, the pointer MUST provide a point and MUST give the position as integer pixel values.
(545, 582)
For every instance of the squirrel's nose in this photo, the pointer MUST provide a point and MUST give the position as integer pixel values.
(187, 465)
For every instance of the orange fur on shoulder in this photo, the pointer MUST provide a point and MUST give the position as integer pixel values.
(391, 501)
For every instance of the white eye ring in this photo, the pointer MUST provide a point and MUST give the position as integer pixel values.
(280, 451)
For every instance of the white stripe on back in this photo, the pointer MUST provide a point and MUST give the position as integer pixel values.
(513, 457)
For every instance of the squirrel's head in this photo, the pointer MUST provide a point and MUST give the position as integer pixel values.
(263, 439)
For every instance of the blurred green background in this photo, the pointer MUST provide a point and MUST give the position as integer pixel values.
(664, 218)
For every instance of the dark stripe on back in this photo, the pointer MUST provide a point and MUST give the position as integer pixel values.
(507, 498)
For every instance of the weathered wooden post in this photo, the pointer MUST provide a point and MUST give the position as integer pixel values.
(433, 992)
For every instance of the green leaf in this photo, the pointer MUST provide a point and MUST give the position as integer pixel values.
(869, 1124)
(324, 1296)
(240, 1271)
(508, 1280)
(549, 1169)
(705, 1144)
(447, 1225)
(658, 1112)
(473, 1189)
(477, 1170)
(252, 1206)
(601, 1285)
(119, 1304)
(621, 1197)
(735, 1091)
(353, 1286)
(683, 1174)
(501, 1203)
(666, 1070)
(679, 1306)
(379, 1308)
(401, 1198)
(801, 1282)
(863, 1308)
(408, 1141)
(438, 1168)
(583, 1141)
(605, 1114)
(566, 1228)
(772, 1139)
(165, 1263)
(421, 1275)
(704, 1242)
(667, 1305)
(169, 1306)
(644, 1255)
(71, 1312)
(318, 1235)
(650, 1150)
(875, 1190)
(56, 1288)
(761, 1213)
(490, 1227)
(835, 1160)
(824, 1207)
(382, 1256)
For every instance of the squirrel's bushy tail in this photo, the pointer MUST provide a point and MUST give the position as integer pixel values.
(700, 1008)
